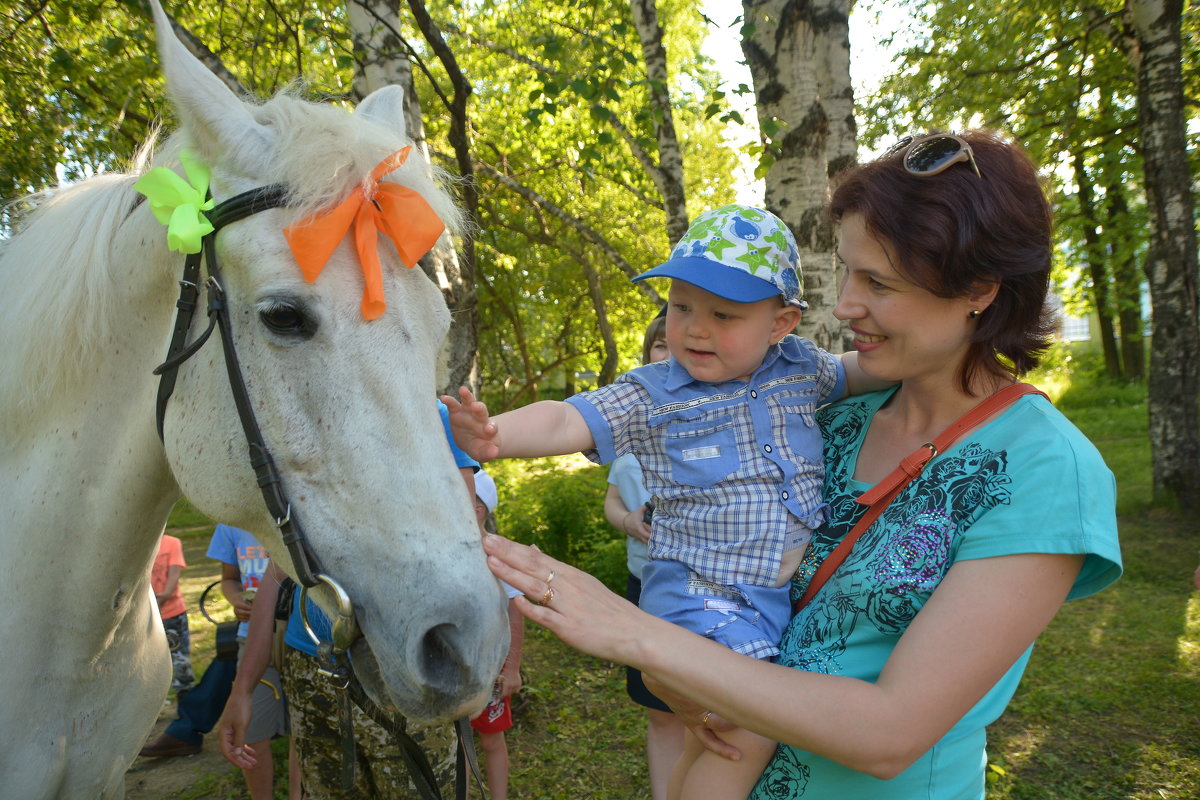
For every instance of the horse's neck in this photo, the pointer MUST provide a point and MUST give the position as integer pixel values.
(88, 486)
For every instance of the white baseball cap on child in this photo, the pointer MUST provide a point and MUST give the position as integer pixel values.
(740, 253)
(485, 490)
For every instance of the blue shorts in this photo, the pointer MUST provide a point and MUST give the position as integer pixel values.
(746, 619)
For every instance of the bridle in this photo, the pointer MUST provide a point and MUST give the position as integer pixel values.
(307, 566)
(305, 561)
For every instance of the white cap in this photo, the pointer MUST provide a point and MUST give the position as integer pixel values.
(485, 490)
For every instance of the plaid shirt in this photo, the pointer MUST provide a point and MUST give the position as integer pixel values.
(730, 466)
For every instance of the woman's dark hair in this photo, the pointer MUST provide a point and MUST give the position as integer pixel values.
(954, 233)
(657, 329)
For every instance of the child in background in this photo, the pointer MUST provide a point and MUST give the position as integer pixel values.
(164, 580)
(494, 720)
(627, 508)
(730, 452)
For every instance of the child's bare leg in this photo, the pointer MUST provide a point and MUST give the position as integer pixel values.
(713, 777)
(692, 749)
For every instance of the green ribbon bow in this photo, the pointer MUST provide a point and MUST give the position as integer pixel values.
(180, 204)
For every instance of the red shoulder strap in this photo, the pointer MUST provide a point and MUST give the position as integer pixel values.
(881, 494)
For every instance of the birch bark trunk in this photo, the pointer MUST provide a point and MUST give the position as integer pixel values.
(799, 57)
(1171, 265)
(668, 175)
(381, 59)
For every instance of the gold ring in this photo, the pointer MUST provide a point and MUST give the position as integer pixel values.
(704, 719)
(550, 578)
(547, 597)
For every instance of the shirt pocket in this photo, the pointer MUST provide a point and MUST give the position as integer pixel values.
(702, 452)
(800, 425)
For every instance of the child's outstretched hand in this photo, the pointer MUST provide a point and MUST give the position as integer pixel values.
(471, 426)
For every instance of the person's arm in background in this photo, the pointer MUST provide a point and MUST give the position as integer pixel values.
(256, 655)
(231, 587)
(510, 673)
(630, 522)
(169, 587)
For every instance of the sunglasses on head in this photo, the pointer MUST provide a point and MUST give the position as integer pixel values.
(937, 152)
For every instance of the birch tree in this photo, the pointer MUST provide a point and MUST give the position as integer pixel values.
(799, 57)
(668, 173)
(1155, 50)
(381, 57)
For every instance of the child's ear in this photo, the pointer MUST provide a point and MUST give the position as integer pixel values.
(786, 320)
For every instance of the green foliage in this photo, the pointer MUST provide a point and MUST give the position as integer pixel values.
(75, 88)
(569, 136)
(1112, 412)
(1052, 75)
(558, 505)
(185, 516)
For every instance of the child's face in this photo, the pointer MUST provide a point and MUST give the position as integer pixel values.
(481, 512)
(718, 340)
(659, 351)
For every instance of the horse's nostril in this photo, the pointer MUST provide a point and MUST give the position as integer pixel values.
(440, 659)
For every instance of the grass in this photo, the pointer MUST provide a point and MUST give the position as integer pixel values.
(1107, 709)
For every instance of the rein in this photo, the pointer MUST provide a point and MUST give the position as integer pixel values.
(331, 655)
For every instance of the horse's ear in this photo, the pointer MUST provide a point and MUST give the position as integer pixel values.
(385, 107)
(216, 117)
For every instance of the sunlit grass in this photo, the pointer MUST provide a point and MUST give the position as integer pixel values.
(1108, 706)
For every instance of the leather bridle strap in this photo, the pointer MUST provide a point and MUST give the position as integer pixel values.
(304, 561)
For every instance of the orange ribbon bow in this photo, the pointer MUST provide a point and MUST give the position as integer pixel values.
(399, 212)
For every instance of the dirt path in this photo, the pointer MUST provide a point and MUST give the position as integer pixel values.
(161, 778)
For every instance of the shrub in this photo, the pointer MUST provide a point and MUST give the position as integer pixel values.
(558, 504)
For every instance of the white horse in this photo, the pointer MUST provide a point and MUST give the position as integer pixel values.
(346, 406)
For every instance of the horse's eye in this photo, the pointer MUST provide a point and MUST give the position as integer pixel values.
(287, 319)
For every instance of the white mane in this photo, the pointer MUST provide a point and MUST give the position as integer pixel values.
(59, 271)
(56, 276)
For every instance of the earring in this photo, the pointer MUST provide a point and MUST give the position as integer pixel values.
(974, 313)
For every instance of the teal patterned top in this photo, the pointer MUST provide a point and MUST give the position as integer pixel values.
(1026, 482)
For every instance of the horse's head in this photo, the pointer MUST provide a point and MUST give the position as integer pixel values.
(347, 406)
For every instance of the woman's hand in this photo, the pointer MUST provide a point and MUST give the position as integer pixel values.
(706, 725)
(576, 607)
(471, 426)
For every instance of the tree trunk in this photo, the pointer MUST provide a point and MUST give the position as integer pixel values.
(1172, 263)
(799, 57)
(381, 59)
(668, 176)
(459, 272)
(1096, 266)
(1127, 280)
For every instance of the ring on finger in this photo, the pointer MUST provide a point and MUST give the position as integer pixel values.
(547, 597)
(550, 577)
(704, 719)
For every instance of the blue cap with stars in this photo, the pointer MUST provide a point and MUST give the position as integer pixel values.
(740, 253)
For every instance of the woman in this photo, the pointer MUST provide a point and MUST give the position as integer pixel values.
(891, 672)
